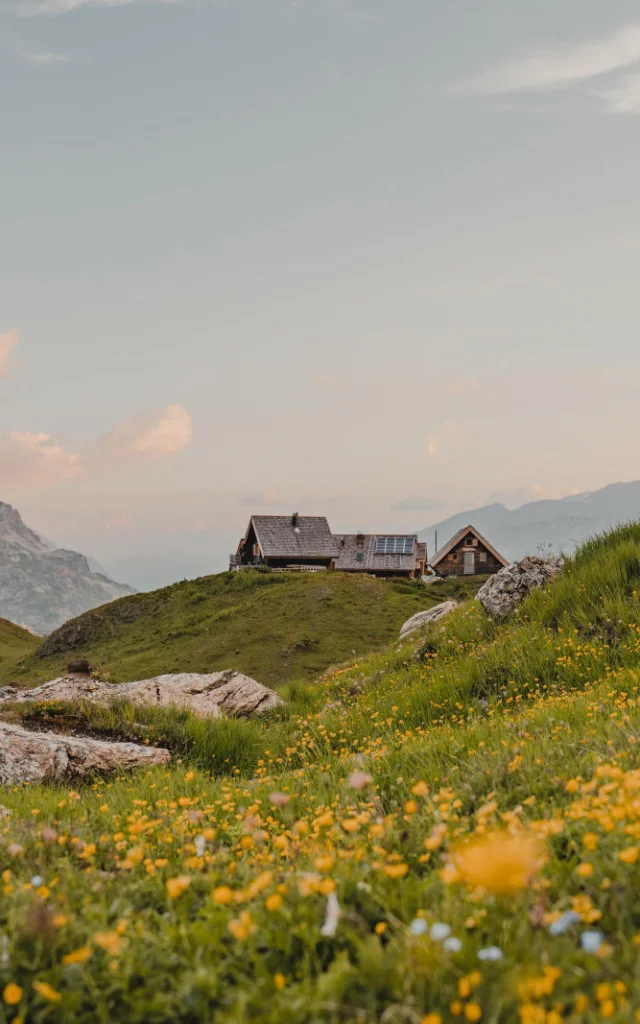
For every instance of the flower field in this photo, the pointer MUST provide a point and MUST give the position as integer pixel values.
(447, 831)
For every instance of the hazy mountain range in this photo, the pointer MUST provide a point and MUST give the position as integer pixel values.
(40, 586)
(555, 525)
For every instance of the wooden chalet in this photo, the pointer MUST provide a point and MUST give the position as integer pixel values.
(468, 554)
(381, 554)
(287, 543)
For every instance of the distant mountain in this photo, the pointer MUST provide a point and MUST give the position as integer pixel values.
(153, 571)
(553, 525)
(40, 588)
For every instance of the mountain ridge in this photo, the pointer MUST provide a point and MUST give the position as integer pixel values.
(547, 525)
(41, 587)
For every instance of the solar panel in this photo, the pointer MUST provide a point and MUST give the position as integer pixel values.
(394, 545)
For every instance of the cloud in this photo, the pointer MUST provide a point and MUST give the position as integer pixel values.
(323, 380)
(559, 67)
(416, 504)
(8, 342)
(448, 430)
(262, 499)
(119, 523)
(145, 439)
(35, 460)
(47, 58)
(623, 97)
(457, 388)
(29, 8)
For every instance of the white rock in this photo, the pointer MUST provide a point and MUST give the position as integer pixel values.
(47, 757)
(207, 696)
(502, 593)
(422, 619)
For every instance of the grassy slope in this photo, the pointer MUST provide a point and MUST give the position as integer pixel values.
(529, 727)
(16, 644)
(272, 626)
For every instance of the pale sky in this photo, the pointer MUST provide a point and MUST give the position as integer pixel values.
(374, 259)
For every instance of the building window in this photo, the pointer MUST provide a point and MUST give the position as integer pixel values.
(482, 556)
(359, 556)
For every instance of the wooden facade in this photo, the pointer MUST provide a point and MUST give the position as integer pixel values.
(468, 554)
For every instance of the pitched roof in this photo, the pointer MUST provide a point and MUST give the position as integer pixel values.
(460, 535)
(306, 537)
(348, 548)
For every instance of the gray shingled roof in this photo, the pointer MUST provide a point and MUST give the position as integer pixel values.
(348, 547)
(278, 537)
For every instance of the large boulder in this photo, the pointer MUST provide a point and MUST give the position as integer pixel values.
(47, 757)
(422, 619)
(502, 593)
(208, 696)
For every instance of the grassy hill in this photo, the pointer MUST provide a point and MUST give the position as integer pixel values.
(445, 832)
(272, 626)
(16, 644)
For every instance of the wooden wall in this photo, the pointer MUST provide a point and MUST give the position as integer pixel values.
(453, 564)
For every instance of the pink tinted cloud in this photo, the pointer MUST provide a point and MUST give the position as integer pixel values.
(8, 342)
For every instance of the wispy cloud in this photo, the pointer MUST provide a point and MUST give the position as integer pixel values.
(560, 66)
(449, 430)
(323, 380)
(8, 342)
(623, 97)
(145, 438)
(457, 388)
(262, 499)
(29, 8)
(47, 58)
(36, 460)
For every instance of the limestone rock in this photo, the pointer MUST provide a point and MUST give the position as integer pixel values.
(502, 593)
(47, 757)
(422, 619)
(207, 696)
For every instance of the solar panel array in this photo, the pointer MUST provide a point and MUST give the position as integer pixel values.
(394, 545)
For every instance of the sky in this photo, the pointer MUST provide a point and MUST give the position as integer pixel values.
(369, 259)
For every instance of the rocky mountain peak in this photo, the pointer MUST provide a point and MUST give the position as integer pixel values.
(41, 588)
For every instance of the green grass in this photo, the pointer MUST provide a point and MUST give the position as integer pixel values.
(272, 626)
(195, 897)
(16, 645)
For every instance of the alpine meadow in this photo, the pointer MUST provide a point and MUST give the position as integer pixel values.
(447, 829)
(319, 512)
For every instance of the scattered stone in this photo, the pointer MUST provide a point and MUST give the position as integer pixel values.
(502, 593)
(208, 696)
(422, 619)
(47, 757)
(4, 812)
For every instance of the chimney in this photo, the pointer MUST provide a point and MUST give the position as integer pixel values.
(294, 520)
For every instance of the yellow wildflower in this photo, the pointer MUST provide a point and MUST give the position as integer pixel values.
(500, 863)
(12, 994)
(223, 894)
(78, 956)
(176, 886)
(47, 992)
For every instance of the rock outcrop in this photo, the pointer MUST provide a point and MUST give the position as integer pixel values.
(209, 696)
(40, 587)
(46, 757)
(422, 619)
(502, 593)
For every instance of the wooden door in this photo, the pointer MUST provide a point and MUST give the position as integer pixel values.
(469, 563)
